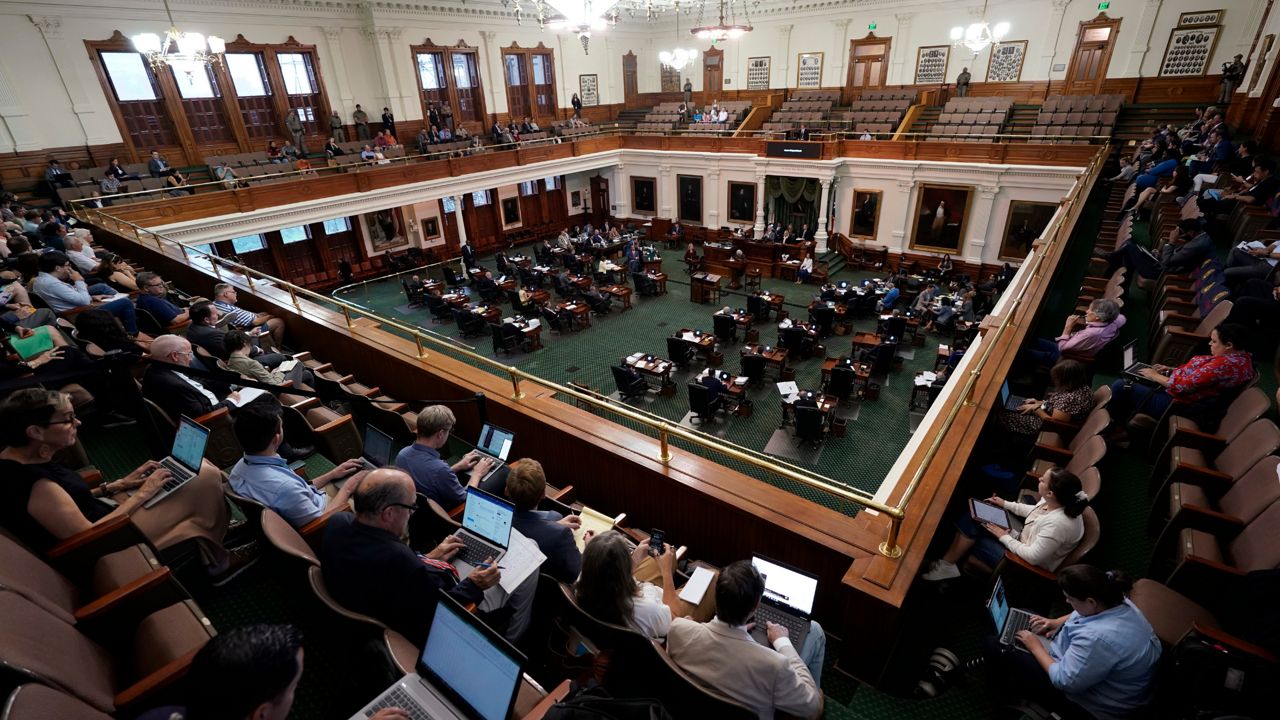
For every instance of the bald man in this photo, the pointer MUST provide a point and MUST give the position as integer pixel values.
(370, 570)
(178, 394)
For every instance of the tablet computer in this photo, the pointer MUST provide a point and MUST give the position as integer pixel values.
(986, 512)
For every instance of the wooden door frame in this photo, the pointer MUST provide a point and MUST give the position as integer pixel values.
(526, 59)
(599, 211)
(709, 94)
(629, 99)
(854, 44)
(1091, 88)
(451, 83)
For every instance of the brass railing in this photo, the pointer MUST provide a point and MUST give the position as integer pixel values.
(663, 428)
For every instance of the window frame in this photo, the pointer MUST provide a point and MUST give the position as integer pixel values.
(453, 94)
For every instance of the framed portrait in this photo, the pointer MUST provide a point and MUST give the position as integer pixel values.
(742, 202)
(866, 214)
(644, 195)
(589, 89)
(689, 194)
(1027, 220)
(809, 70)
(386, 230)
(1188, 51)
(511, 211)
(1200, 17)
(931, 64)
(941, 214)
(758, 73)
(1005, 64)
(575, 198)
(430, 228)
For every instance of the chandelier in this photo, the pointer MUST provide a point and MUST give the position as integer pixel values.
(722, 31)
(183, 50)
(678, 58)
(979, 35)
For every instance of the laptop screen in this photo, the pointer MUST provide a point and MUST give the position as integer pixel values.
(1004, 393)
(495, 441)
(488, 516)
(475, 668)
(786, 587)
(999, 605)
(377, 446)
(1129, 353)
(188, 444)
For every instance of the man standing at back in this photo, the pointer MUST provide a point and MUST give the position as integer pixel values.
(723, 656)
(361, 120)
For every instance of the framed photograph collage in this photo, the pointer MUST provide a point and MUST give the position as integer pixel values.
(758, 73)
(809, 70)
(1006, 61)
(1191, 44)
(931, 64)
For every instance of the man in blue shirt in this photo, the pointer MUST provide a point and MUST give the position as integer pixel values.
(63, 289)
(264, 476)
(890, 298)
(433, 476)
(151, 297)
(526, 486)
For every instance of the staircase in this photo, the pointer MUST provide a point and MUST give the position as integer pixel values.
(925, 120)
(627, 119)
(1136, 122)
(834, 260)
(1021, 119)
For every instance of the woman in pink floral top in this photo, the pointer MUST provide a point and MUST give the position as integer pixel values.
(1200, 378)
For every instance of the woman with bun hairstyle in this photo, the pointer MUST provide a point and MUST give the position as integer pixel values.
(1102, 656)
(1052, 529)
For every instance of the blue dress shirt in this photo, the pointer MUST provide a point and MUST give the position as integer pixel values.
(270, 481)
(433, 476)
(1105, 662)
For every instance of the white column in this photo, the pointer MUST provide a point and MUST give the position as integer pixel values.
(666, 191)
(342, 84)
(979, 224)
(620, 191)
(782, 76)
(23, 130)
(457, 216)
(821, 235)
(760, 206)
(842, 52)
(900, 45)
(713, 178)
(1051, 27)
(1142, 37)
(97, 130)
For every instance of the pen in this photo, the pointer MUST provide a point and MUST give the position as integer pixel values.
(485, 566)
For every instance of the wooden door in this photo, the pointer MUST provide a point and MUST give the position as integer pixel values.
(630, 83)
(599, 200)
(712, 75)
(449, 227)
(1094, 43)
(868, 64)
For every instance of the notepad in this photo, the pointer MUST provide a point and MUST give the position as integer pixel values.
(248, 395)
(29, 347)
(287, 365)
(788, 388)
(522, 559)
(696, 588)
(591, 521)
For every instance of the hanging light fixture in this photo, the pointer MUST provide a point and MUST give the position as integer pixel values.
(977, 36)
(723, 30)
(678, 58)
(183, 50)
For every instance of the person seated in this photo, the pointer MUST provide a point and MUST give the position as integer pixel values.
(1250, 263)
(1202, 378)
(381, 141)
(1052, 529)
(367, 154)
(608, 591)
(370, 570)
(722, 656)
(332, 150)
(599, 302)
(63, 289)
(890, 298)
(1257, 189)
(949, 314)
(289, 152)
(1187, 246)
(224, 298)
(177, 393)
(717, 392)
(1071, 401)
(159, 167)
(925, 299)
(723, 117)
(264, 476)
(553, 532)
(205, 333)
(43, 502)
(57, 176)
(274, 153)
(238, 348)
(806, 269)
(431, 475)
(105, 335)
(114, 271)
(224, 173)
(64, 368)
(1098, 661)
(1082, 336)
(82, 255)
(16, 309)
(153, 297)
(1127, 171)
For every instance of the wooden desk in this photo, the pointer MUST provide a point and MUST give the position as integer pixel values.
(660, 280)
(861, 371)
(775, 300)
(789, 406)
(532, 702)
(490, 313)
(775, 355)
(532, 334)
(582, 282)
(944, 354)
(508, 284)
(456, 300)
(433, 287)
(865, 341)
(622, 292)
(742, 318)
(652, 266)
(703, 343)
(580, 311)
(704, 287)
(656, 368)
(788, 270)
(539, 297)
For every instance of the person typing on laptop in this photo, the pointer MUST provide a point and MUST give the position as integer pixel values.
(264, 476)
(434, 477)
(526, 486)
(722, 655)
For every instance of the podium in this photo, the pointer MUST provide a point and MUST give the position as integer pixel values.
(704, 287)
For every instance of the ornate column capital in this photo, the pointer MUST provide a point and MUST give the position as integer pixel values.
(332, 34)
(1061, 5)
(50, 25)
(905, 19)
(986, 192)
(488, 35)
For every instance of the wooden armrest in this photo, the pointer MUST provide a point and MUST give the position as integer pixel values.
(214, 415)
(397, 408)
(456, 512)
(1018, 562)
(1185, 334)
(1198, 576)
(680, 552)
(91, 476)
(127, 605)
(1066, 429)
(1214, 522)
(559, 693)
(324, 367)
(636, 535)
(1221, 637)
(316, 526)
(564, 495)
(163, 678)
(333, 424)
(286, 384)
(1178, 319)
(302, 473)
(110, 532)
(306, 404)
(175, 326)
(302, 356)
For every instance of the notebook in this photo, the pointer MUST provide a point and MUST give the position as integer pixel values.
(593, 521)
(466, 671)
(38, 342)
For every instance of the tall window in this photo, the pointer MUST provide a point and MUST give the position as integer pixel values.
(530, 79)
(137, 94)
(295, 234)
(544, 95)
(449, 80)
(298, 72)
(248, 243)
(202, 103)
(253, 94)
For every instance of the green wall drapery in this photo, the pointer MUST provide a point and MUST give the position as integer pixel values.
(792, 200)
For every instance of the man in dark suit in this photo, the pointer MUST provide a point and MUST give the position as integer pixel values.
(179, 394)
(468, 256)
(526, 485)
(204, 332)
(370, 570)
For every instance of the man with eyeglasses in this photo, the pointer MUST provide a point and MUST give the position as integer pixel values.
(63, 289)
(153, 298)
(179, 394)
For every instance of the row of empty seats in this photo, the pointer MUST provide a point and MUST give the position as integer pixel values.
(973, 117)
(1082, 103)
(818, 95)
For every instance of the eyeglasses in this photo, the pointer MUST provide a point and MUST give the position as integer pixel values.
(411, 508)
(69, 420)
(155, 285)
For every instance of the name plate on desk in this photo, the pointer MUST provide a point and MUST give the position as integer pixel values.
(789, 149)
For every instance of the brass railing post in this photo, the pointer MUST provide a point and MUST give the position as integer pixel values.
(248, 276)
(422, 353)
(890, 547)
(346, 313)
(515, 383)
(665, 454)
(293, 295)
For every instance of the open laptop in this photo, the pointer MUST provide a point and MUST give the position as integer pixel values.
(377, 448)
(485, 531)
(1010, 401)
(788, 600)
(495, 444)
(183, 462)
(466, 671)
(1008, 620)
(1132, 368)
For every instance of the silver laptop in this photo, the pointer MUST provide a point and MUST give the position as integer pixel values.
(466, 671)
(1008, 620)
(485, 531)
(183, 462)
(377, 448)
(1008, 400)
(1133, 369)
(788, 600)
(495, 444)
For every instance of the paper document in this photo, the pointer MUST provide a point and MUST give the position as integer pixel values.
(248, 395)
(534, 324)
(287, 365)
(523, 558)
(788, 388)
(697, 586)
(591, 520)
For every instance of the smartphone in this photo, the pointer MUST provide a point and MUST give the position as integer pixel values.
(657, 546)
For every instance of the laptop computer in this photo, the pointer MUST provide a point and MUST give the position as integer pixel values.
(183, 462)
(485, 531)
(495, 444)
(466, 671)
(788, 600)
(377, 448)
(1010, 401)
(1133, 369)
(1008, 620)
